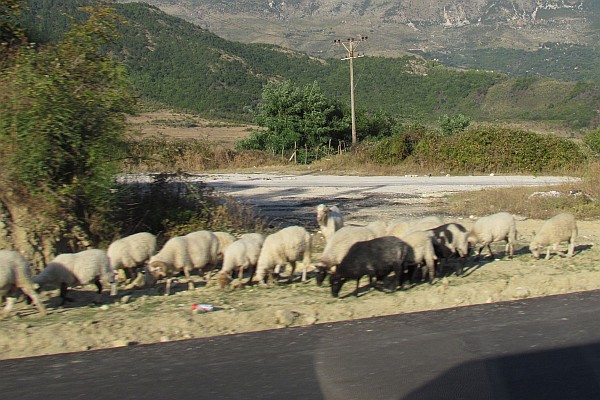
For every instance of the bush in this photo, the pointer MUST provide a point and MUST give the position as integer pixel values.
(396, 148)
(495, 149)
(592, 139)
(453, 124)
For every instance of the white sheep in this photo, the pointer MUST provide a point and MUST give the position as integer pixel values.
(225, 239)
(131, 251)
(493, 228)
(421, 253)
(285, 246)
(241, 254)
(401, 227)
(378, 227)
(15, 274)
(560, 228)
(337, 247)
(74, 269)
(196, 250)
(329, 219)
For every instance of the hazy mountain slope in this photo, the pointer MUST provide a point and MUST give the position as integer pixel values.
(394, 27)
(184, 66)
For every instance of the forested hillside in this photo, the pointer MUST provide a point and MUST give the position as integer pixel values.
(181, 65)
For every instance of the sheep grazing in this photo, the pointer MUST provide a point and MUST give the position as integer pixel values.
(337, 247)
(451, 240)
(225, 239)
(421, 253)
(494, 228)
(285, 246)
(375, 258)
(74, 269)
(131, 251)
(379, 228)
(196, 250)
(330, 220)
(15, 274)
(560, 228)
(402, 227)
(240, 255)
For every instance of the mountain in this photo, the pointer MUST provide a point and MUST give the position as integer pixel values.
(395, 27)
(184, 66)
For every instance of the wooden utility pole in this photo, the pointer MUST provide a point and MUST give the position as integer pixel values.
(350, 45)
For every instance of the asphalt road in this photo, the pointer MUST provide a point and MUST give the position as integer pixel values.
(545, 348)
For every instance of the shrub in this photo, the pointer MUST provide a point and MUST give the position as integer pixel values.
(495, 149)
(451, 124)
(592, 139)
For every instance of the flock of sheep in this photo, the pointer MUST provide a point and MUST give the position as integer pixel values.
(415, 249)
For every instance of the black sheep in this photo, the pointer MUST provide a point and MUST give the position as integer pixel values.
(374, 258)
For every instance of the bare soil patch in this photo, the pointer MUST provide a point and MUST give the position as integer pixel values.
(186, 126)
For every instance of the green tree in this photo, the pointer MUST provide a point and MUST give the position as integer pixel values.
(62, 117)
(451, 124)
(292, 115)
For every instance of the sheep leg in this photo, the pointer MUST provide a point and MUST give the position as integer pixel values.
(186, 272)
(10, 302)
(63, 294)
(571, 247)
(32, 295)
(509, 248)
(548, 252)
(168, 286)
(305, 264)
(430, 264)
(293, 270)
(489, 247)
(98, 299)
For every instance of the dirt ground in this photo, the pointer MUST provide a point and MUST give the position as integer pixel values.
(147, 316)
(143, 316)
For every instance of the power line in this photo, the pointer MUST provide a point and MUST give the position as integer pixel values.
(350, 45)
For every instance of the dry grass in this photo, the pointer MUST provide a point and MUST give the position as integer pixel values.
(584, 203)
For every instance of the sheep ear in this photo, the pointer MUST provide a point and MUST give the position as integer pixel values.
(333, 269)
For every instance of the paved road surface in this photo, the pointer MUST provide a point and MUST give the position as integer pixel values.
(547, 349)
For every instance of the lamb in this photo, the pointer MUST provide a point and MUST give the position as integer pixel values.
(15, 273)
(196, 250)
(493, 228)
(375, 258)
(561, 227)
(421, 251)
(75, 269)
(451, 240)
(287, 245)
(337, 247)
(329, 219)
(241, 254)
(131, 251)
(405, 226)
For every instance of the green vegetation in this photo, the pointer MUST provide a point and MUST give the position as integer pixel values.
(62, 140)
(62, 119)
(175, 63)
(295, 117)
(492, 149)
(568, 62)
(592, 139)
